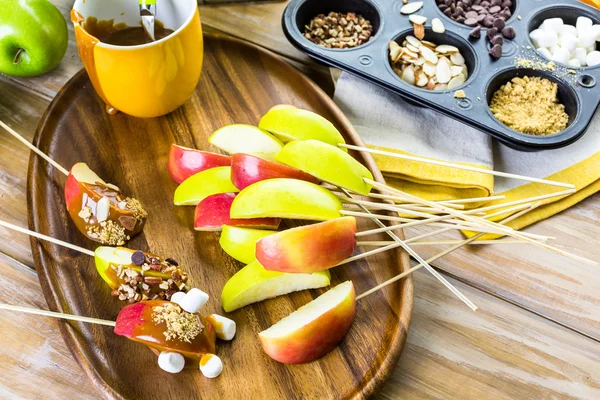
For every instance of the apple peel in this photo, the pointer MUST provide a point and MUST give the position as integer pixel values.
(214, 211)
(240, 243)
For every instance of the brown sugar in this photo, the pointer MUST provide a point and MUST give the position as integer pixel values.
(530, 105)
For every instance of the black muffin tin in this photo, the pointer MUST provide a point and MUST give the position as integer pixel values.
(580, 92)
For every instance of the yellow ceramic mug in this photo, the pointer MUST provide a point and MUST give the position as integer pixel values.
(146, 80)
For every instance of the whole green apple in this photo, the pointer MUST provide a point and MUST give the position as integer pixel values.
(33, 37)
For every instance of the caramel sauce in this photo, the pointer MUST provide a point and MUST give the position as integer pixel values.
(120, 34)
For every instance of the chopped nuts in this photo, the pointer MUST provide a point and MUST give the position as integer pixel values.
(339, 30)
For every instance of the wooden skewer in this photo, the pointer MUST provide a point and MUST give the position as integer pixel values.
(53, 314)
(410, 251)
(34, 149)
(376, 243)
(47, 238)
(444, 202)
(457, 166)
(529, 200)
(374, 204)
(470, 218)
(437, 256)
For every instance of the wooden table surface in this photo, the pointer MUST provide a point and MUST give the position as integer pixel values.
(536, 334)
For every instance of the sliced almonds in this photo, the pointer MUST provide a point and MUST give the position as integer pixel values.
(437, 26)
(417, 19)
(419, 31)
(411, 8)
(426, 65)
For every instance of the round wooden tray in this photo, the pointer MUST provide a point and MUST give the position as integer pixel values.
(240, 82)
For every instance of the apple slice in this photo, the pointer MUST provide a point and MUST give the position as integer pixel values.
(253, 283)
(213, 212)
(138, 322)
(184, 162)
(309, 248)
(240, 243)
(290, 123)
(203, 184)
(99, 210)
(313, 330)
(247, 139)
(247, 169)
(328, 163)
(286, 198)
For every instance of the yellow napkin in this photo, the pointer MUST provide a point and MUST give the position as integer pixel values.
(387, 122)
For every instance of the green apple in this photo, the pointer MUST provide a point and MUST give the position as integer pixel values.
(246, 139)
(328, 163)
(253, 283)
(33, 37)
(203, 184)
(240, 243)
(290, 123)
(286, 198)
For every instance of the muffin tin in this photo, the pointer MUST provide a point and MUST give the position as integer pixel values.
(579, 92)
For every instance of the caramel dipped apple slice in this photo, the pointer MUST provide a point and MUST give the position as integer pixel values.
(99, 209)
(165, 327)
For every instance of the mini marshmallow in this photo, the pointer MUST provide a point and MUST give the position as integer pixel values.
(554, 49)
(171, 362)
(568, 42)
(560, 55)
(574, 63)
(580, 54)
(593, 58)
(547, 39)
(224, 327)
(193, 300)
(567, 30)
(587, 38)
(545, 52)
(583, 23)
(176, 297)
(211, 366)
(534, 35)
(552, 24)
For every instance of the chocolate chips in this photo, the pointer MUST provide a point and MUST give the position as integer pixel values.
(138, 258)
(475, 33)
(496, 51)
(509, 32)
(477, 12)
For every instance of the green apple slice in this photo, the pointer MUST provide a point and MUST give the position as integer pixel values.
(290, 123)
(240, 243)
(253, 283)
(328, 163)
(203, 184)
(105, 257)
(286, 198)
(246, 139)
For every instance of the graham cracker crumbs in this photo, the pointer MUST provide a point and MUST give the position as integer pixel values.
(460, 94)
(530, 105)
(535, 64)
(108, 232)
(135, 206)
(181, 325)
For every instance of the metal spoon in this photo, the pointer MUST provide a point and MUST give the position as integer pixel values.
(148, 13)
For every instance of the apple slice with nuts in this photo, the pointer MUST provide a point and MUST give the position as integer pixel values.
(314, 329)
(286, 198)
(253, 283)
(308, 248)
(328, 163)
(247, 169)
(214, 211)
(290, 123)
(184, 162)
(203, 184)
(240, 138)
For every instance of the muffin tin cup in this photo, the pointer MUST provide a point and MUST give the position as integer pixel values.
(579, 92)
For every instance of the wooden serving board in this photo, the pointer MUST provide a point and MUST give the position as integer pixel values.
(239, 83)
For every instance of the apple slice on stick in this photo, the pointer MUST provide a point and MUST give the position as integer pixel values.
(290, 123)
(286, 198)
(314, 329)
(247, 169)
(240, 243)
(247, 139)
(203, 184)
(309, 248)
(214, 211)
(253, 283)
(328, 163)
(184, 162)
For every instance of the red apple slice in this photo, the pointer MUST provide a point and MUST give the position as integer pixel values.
(214, 211)
(313, 330)
(309, 248)
(184, 162)
(247, 169)
(138, 322)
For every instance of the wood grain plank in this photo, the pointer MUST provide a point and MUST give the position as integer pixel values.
(499, 352)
